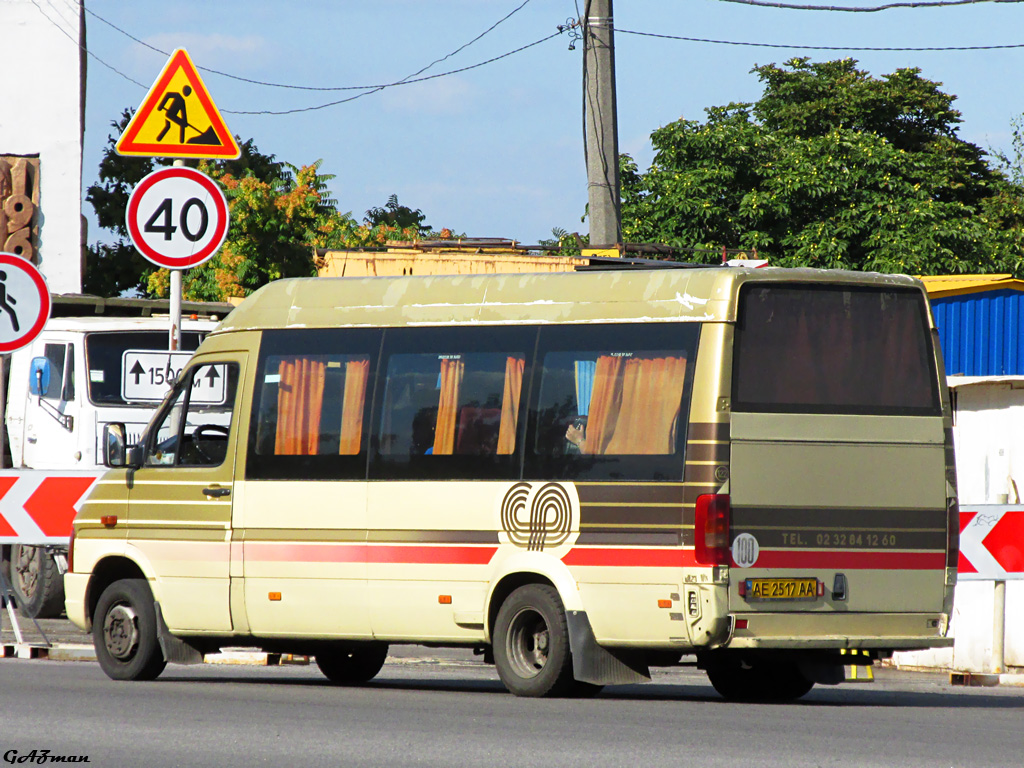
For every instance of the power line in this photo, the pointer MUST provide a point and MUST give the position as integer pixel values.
(381, 87)
(66, 34)
(290, 86)
(823, 47)
(869, 9)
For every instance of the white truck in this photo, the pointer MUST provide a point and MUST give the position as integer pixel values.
(96, 361)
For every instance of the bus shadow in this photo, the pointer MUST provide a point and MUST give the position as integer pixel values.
(838, 697)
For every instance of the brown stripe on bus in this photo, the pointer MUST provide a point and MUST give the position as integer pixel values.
(840, 519)
(638, 493)
(706, 430)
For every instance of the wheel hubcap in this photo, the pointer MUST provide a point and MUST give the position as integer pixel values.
(121, 631)
(528, 641)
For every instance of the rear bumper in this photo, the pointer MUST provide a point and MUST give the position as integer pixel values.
(901, 631)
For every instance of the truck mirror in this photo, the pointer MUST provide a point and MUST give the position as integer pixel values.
(115, 448)
(39, 376)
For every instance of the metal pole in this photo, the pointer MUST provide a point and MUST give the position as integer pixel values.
(602, 145)
(998, 626)
(174, 339)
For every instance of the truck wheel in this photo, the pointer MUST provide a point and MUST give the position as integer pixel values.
(124, 632)
(38, 585)
(352, 664)
(531, 643)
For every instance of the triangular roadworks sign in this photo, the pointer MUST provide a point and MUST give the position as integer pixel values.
(178, 118)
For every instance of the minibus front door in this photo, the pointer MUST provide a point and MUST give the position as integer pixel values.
(180, 499)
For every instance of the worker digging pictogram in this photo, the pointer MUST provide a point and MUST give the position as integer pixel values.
(178, 118)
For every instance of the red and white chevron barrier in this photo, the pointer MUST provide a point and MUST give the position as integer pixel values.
(991, 542)
(37, 506)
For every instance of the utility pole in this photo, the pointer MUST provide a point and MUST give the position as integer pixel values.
(602, 145)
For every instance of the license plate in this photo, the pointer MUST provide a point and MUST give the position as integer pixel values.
(782, 589)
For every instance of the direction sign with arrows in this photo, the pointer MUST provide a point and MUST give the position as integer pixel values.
(147, 375)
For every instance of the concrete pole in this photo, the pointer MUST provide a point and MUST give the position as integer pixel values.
(998, 627)
(602, 126)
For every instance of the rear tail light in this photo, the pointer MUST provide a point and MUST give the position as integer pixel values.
(711, 542)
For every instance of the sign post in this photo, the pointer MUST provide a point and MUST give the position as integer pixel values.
(177, 218)
(177, 119)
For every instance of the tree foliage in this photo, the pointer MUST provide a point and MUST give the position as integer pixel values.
(830, 168)
(277, 219)
(114, 268)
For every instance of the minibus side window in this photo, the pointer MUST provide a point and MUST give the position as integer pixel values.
(311, 404)
(194, 429)
(448, 403)
(611, 402)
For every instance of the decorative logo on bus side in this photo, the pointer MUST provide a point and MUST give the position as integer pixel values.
(537, 518)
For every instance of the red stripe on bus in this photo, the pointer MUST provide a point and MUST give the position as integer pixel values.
(621, 558)
(909, 561)
(309, 552)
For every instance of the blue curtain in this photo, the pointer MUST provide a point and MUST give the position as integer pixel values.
(584, 385)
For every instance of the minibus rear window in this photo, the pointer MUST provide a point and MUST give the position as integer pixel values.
(833, 349)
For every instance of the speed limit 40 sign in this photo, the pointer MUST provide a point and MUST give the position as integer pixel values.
(177, 217)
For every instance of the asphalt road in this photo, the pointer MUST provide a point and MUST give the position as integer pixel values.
(434, 708)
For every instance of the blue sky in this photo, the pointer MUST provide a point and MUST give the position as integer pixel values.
(497, 151)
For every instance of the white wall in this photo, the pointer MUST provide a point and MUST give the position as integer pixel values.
(988, 433)
(42, 115)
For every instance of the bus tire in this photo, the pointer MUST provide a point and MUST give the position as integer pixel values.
(37, 584)
(352, 663)
(124, 632)
(758, 681)
(531, 643)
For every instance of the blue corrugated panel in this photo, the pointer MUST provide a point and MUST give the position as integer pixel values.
(981, 332)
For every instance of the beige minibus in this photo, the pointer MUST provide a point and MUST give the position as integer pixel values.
(579, 475)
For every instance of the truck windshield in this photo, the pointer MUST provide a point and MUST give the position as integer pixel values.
(104, 352)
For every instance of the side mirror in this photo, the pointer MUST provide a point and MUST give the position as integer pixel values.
(39, 376)
(116, 451)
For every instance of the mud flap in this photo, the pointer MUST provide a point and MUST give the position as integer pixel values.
(592, 663)
(174, 649)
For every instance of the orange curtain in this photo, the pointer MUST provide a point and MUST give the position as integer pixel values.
(510, 405)
(300, 397)
(605, 400)
(635, 405)
(353, 405)
(448, 405)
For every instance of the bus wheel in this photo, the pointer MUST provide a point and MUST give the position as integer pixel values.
(124, 632)
(352, 664)
(758, 680)
(38, 585)
(531, 643)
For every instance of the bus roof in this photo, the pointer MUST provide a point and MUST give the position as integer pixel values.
(629, 295)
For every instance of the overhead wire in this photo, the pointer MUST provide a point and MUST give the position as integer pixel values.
(864, 9)
(291, 86)
(92, 55)
(822, 47)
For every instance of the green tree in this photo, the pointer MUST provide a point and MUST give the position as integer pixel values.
(395, 215)
(277, 220)
(830, 168)
(114, 268)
